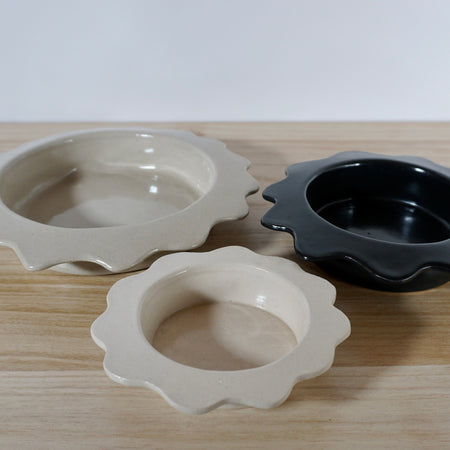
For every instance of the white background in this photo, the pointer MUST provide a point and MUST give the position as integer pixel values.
(137, 60)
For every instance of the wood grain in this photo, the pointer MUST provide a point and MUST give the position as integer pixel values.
(390, 383)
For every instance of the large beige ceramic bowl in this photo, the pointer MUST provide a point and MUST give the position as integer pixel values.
(105, 200)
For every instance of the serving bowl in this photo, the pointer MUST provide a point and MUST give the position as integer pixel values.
(378, 221)
(227, 327)
(105, 200)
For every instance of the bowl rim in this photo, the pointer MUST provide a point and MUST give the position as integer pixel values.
(317, 240)
(131, 360)
(119, 248)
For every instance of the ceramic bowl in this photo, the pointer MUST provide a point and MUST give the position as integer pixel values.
(379, 221)
(113, 197)
(227, 327)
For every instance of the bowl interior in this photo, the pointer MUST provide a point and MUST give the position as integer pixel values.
(384, 200)
(224, 317)
(107, 178)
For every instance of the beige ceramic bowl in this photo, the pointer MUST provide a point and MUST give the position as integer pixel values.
(228, 327)
(105, 200)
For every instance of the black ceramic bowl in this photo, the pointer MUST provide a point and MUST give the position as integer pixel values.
(378, 221)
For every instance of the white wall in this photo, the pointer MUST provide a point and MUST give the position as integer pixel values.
(224, 60)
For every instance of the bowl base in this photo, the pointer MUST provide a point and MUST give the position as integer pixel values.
(87, 199)
(223, 336)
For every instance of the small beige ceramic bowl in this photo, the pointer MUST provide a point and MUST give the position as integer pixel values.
(105, 200)
(228, 327)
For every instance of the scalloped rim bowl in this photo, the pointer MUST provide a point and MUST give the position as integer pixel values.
(379, 221)
(105, 200)
(230, 276)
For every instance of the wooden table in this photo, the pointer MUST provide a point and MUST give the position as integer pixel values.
(389, 385)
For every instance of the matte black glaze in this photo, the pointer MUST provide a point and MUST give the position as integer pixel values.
(379, 221)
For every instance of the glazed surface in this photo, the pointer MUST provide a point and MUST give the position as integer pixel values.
(377, 221)
(107, 179)
(84, 199)
(105, 200)
(384, 201)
